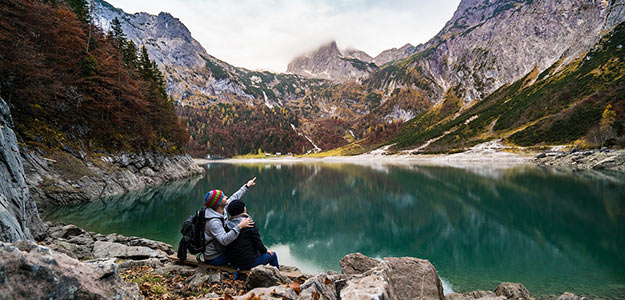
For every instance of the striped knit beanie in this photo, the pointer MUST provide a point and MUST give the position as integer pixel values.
(213, 198)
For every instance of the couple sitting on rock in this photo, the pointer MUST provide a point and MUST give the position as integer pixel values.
(234, 240)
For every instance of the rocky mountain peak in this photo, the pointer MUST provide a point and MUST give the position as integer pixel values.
(488, 43)
(358, 54)
(393, 54)
(328, 62)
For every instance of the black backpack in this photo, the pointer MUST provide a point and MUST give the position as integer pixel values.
(192, 235)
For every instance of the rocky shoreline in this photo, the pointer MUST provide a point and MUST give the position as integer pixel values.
(67, 179)
(72, 263)
(597, 159)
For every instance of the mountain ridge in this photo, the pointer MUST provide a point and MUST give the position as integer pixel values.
(486, 45)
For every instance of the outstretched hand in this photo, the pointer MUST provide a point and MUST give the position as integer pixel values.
(246, 223)
(251, 183)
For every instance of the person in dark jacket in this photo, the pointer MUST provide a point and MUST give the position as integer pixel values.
(247, 251)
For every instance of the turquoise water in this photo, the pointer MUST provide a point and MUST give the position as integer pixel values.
(553, 231)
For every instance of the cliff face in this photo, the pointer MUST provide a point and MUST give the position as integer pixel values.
(488, 44)
(181, 58)
(19, 219)
(66, 179)
(193, 76)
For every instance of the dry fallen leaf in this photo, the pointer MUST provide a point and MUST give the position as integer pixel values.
(315, 295)
(296, 287)
(228, 297)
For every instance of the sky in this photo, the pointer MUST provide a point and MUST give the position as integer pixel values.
(268, 34)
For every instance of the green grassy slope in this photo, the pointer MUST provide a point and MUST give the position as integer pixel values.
(563, 104)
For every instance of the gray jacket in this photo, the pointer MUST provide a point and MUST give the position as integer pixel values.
(215, 234)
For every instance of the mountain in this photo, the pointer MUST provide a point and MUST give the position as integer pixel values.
(582, 102)
(358, 54)
(328, 62)
(393, 54)
(336, 97)
(193, 76)
(197, 81)
(487, 44)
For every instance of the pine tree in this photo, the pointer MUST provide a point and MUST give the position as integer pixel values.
(118, 33)
(81, 9)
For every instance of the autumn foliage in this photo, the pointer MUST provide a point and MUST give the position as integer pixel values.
(72, 85)
(236, 129)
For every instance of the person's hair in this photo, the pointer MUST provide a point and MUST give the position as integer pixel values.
(236, 207)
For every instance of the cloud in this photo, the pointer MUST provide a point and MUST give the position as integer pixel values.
(267, 34)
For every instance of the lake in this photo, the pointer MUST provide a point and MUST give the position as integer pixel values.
(551, 230)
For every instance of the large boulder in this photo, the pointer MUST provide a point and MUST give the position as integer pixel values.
(512, 290)
(413, 278)
(30, 271)
(357, 263)
(264, 276)
(404, 277)
(19, 219)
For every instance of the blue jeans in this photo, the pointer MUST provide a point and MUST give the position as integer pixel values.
(267, 258)
(220, 260)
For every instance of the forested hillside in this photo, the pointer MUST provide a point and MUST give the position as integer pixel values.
(235, 129)
(72, 86)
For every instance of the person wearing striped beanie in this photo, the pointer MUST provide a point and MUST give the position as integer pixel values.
(215, 234)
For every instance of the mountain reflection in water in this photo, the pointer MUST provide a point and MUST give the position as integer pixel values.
(553, 231)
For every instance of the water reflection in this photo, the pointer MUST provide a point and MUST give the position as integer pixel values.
(551, 230)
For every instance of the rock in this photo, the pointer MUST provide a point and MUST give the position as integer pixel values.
(413, 278)
(264, 276)
(65, 232)
(19, 218)
(541, 155)
(475, 295)
(512, 290)
(390, 278)
(114, 175)
(570, 296)
(150, 262)
(319, 287)
(105, 267)
(71, 249)
(151, 244)
(171, 269)
(83, 239)
(294, 273)
(373, 285)
(328, 62)
(36, 272)
(357, 263)
(271, 293)
(196, 281)
(109, 249)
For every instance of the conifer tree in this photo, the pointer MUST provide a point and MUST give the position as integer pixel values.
(118, 33)
(81, 9)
